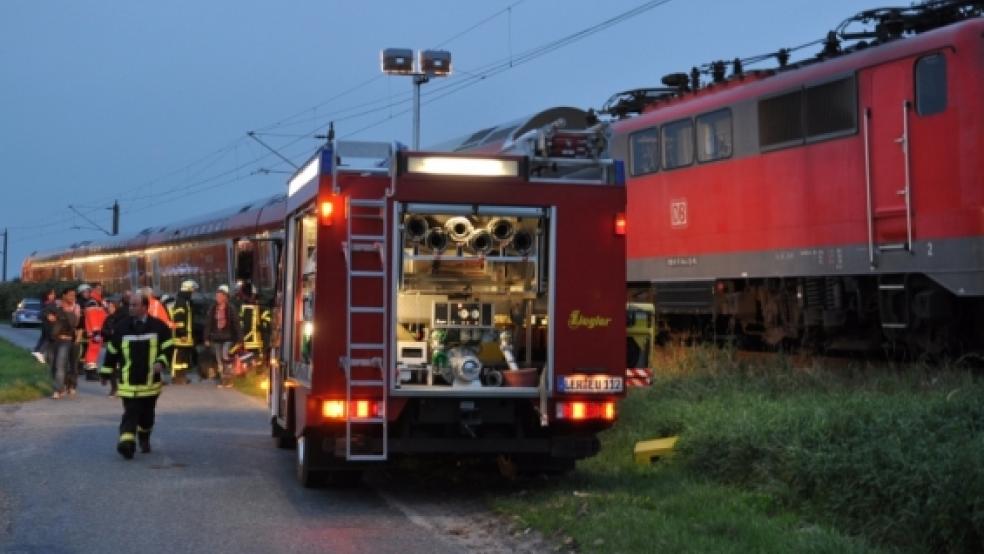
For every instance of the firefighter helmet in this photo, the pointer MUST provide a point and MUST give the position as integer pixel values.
(189, 286)
(82, 288)
(224, 289)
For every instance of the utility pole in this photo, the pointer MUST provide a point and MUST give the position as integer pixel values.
(5, 231)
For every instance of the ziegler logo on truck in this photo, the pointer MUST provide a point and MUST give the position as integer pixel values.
(576, 320)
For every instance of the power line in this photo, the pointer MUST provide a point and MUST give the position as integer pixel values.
(435, 94)
(496, 67)
(290, 120)
(479, 24)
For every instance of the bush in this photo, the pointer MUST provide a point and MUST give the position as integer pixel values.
(895, 457)
(13, 292)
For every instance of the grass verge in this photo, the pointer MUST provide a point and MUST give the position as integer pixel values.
(22, 378)
(772, 458)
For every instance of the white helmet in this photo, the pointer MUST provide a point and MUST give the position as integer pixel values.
(223, 289)
(189, 286)
(83, 287)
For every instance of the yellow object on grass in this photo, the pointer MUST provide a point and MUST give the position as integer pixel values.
(648, 451)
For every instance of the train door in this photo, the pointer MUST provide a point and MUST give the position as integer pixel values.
(134, 273)
(245, 261)
(887, 105)
(155, 273)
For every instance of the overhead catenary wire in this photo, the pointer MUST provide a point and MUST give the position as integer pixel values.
(374, 106)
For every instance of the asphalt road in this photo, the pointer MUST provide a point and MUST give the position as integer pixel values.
(213, 483)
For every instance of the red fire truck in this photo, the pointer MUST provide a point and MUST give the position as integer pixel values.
(443, 303)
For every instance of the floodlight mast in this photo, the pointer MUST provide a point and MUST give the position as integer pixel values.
(422, 66)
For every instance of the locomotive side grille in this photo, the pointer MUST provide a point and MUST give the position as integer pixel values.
(813, 292)
(832, 298)
(685, 297)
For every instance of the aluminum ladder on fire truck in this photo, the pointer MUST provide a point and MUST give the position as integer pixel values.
(368, 355)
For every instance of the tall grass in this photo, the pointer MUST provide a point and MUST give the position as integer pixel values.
(894, 455)
(21, 376)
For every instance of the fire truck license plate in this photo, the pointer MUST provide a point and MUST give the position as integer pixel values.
(590, 383)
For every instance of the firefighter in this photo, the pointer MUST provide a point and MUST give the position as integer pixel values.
(184, 340)
(117, 310)
(251, 321)
(94, 313)
(156, 309)
(141, 344)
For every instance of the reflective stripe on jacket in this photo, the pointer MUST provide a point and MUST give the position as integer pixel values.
(252, 339)
(181, 316)
(136, 348)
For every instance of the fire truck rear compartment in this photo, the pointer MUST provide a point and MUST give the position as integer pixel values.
(472, 301)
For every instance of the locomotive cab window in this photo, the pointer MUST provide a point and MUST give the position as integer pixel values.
(831, 109)
(678, 144)
(714, 136)
(931, 84)
(645, 151)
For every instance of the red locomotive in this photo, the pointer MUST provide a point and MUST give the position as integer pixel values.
(835, 203)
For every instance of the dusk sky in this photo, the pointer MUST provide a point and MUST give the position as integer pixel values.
(148, 103)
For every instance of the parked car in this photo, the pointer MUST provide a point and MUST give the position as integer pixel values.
(28, 312)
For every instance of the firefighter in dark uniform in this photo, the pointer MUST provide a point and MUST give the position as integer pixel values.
(142, 346)
(251, 321)
(184, 340)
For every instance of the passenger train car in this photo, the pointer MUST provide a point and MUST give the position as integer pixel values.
(836, 202)
(233, 245)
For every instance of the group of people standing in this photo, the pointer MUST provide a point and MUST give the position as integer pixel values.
(235, 332)
(73, 326)
(139, 339)
(78, 323)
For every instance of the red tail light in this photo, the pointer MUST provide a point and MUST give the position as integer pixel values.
(582, 411)
(360, 409)
(620, 223)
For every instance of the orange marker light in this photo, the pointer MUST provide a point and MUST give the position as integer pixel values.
(620, 223)
(362, 409)
(578, 411)
(610, 411)
(265, 384)
(333, 409)
(327, 209)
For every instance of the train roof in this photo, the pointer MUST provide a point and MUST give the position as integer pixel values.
(493, 139)
(257, 216)
(755, 84)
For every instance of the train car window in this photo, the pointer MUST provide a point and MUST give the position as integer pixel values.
(931, 84)
(678, 144)
(831, 108)
(644, 157)
(780, 120)
(714, 137)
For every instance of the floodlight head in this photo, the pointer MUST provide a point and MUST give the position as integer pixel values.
(435, 62)
(398, 61)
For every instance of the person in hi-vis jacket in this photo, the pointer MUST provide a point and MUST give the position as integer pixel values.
(141, 344)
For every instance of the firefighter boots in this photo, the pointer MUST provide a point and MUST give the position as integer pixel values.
(126, 449)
